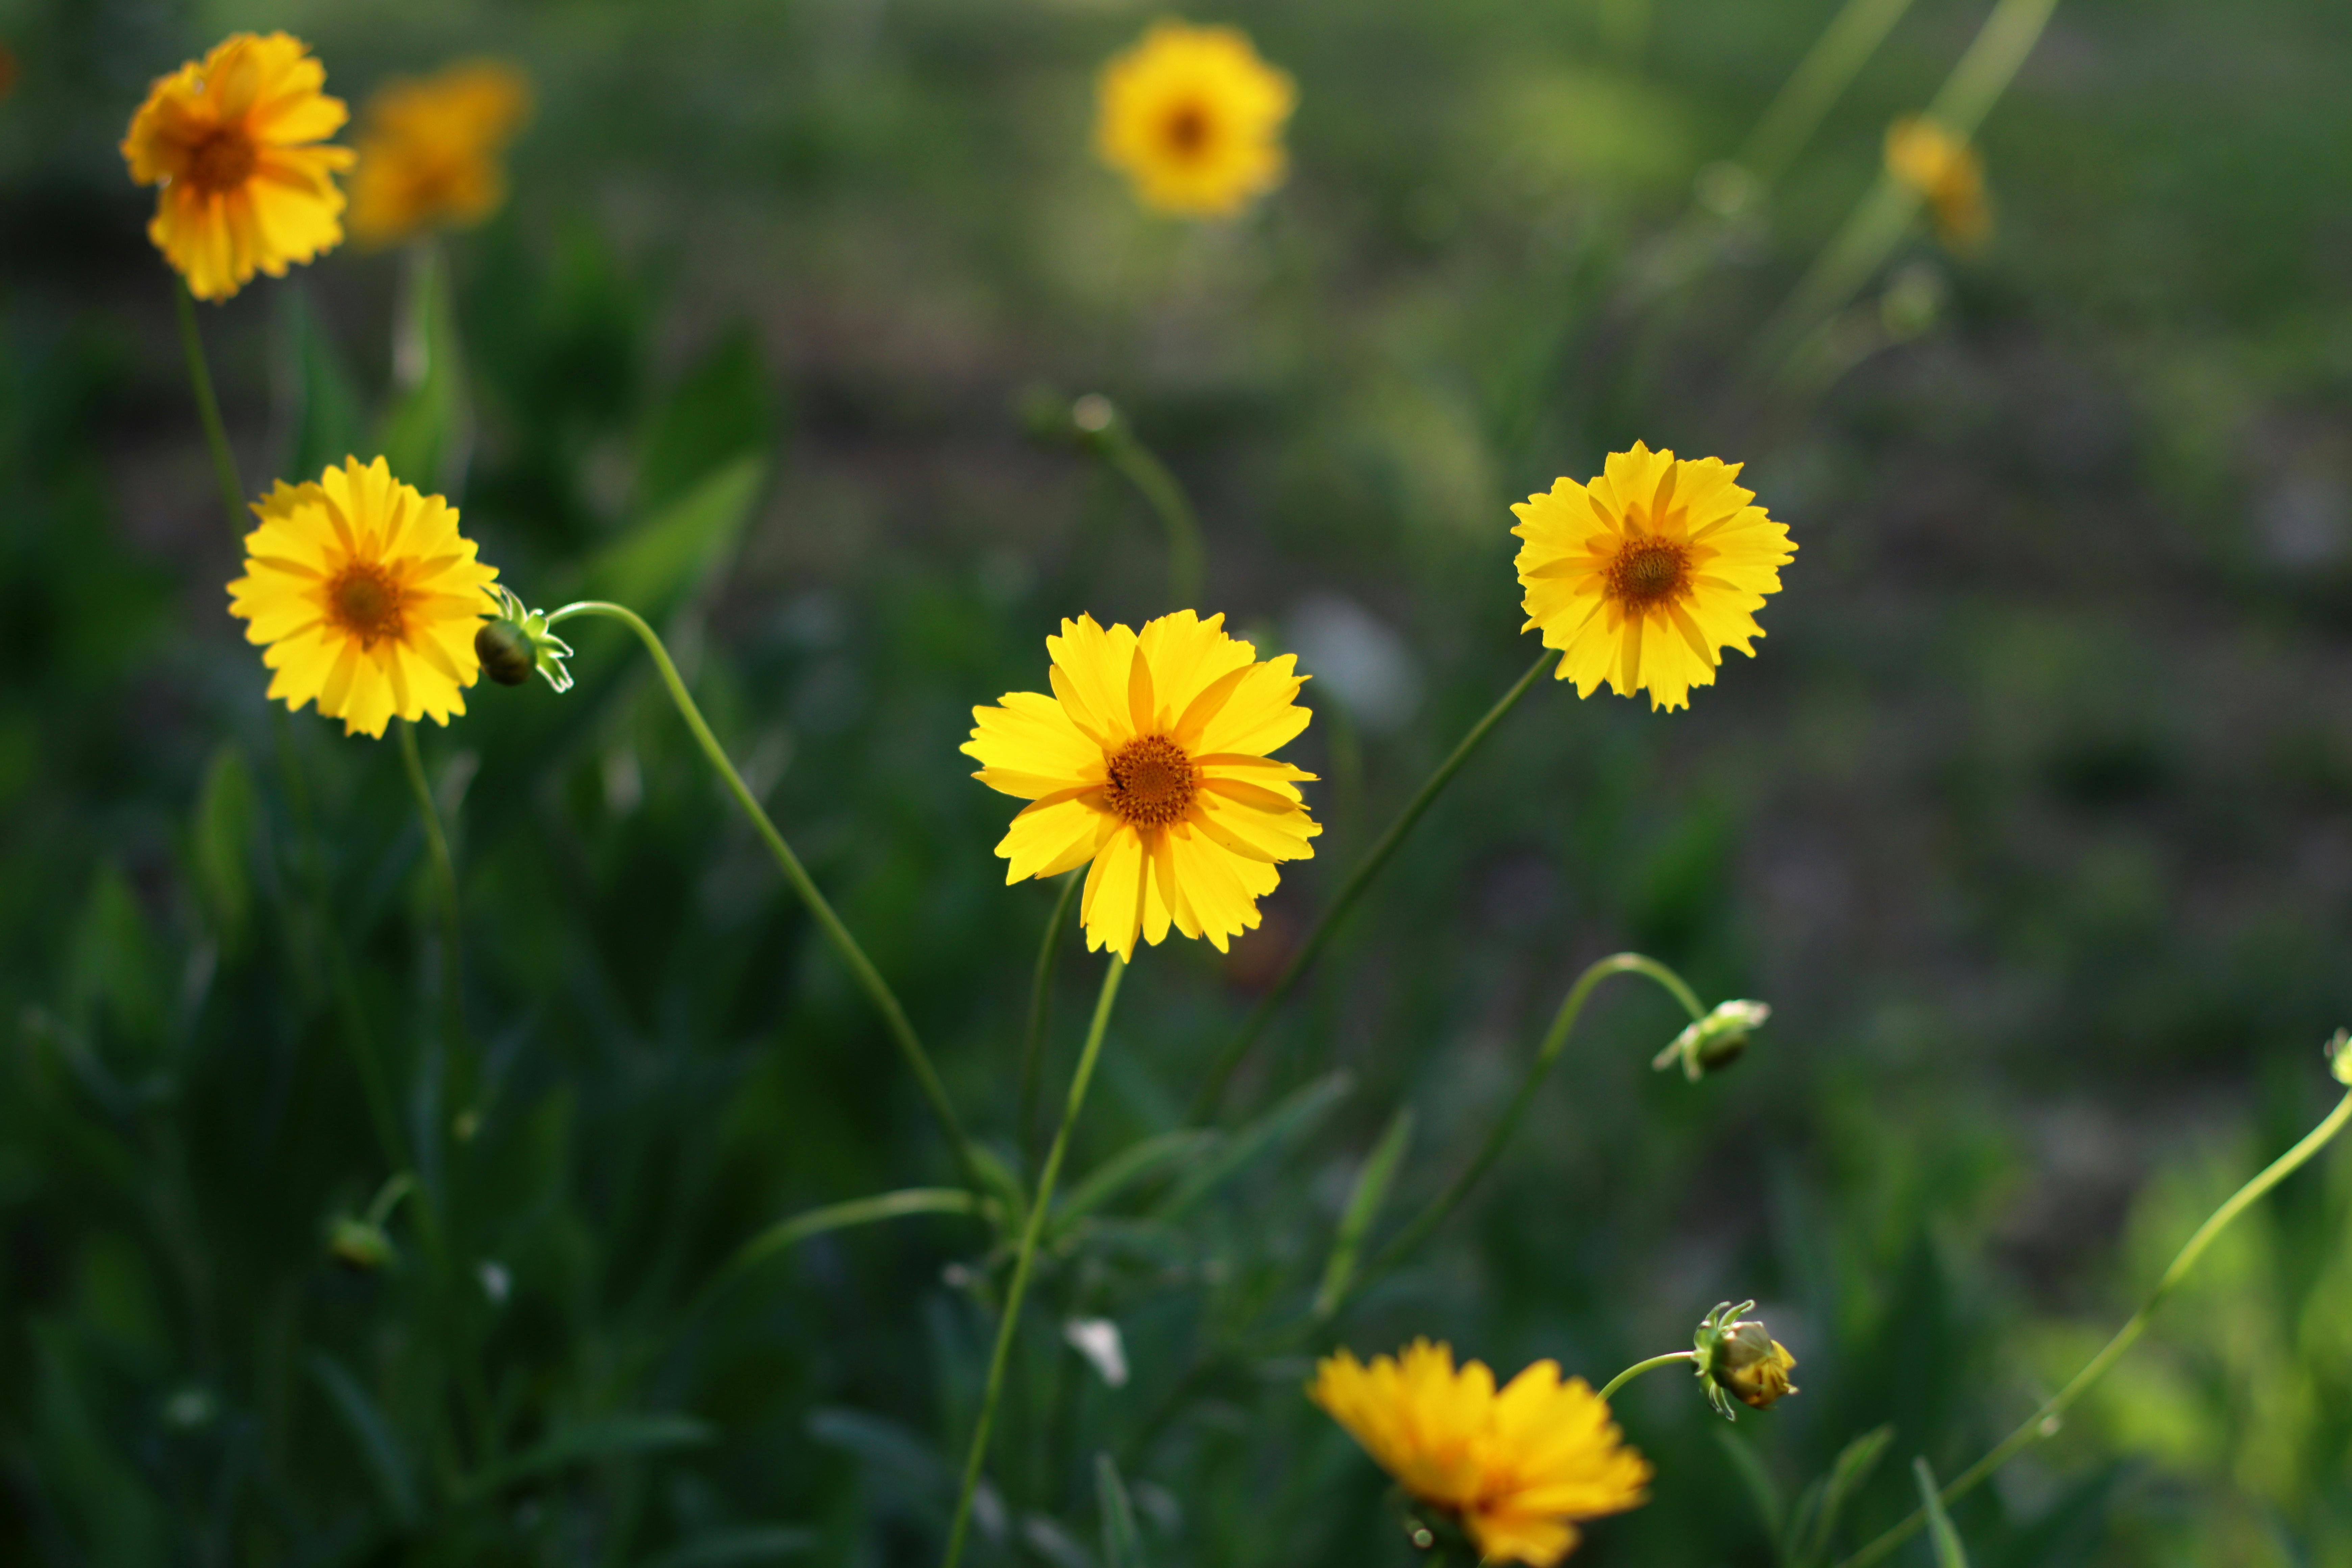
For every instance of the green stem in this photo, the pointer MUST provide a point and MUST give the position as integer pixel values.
(445, 881)
(1221, 1071)
(1555, 1039)
(1143, 470)
(1041, 997)
(1038, 1209)
(1639, 1367)
(200, 378)
(2043, 1422)
(1820, 80)
(861, 968)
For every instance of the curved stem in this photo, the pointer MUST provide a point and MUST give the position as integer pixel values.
(861, 968)
(1041, 997)
(2042, 1423)
(1639, 1367)
(1221, 1071)
(1143, 469)
(1038, 1209)
(1555, 1039)
(200, 379)
(445, 880)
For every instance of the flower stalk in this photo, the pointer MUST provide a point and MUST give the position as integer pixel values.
(1041, 998)
(200, 381)
(1610, 1388)
(445, 885)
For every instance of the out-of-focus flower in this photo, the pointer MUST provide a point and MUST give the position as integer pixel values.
(1713, 1042)
(429, 149)
(1738, 1358)
(1195, 118)
(1947, 173)
(1150, 760)
(234, 141)
(1643, 576)
(1518, 1467)
(365, 596)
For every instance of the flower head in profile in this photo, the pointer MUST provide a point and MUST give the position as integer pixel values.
(1644, 575)
(1193, 117)
(1517, 1466)
(1946, 171)
(1151, 760)
(429, 149)
(365, 597)
(234, 141)
(1739, 1359)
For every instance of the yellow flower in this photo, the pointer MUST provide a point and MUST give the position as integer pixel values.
(366, 596)
(1643, 576)
(1946, 171)
(233, 140)
(429, 151)
(1150, 761)
(1518, 1467)
(1195, 118)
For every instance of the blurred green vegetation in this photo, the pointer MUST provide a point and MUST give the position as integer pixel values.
(2029, 820)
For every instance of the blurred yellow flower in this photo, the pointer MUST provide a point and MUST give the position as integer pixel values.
(233, 141)
(1643, 576)
(1193, 117)
(1947, 173)
(366, 596)
(1518, 1469)
(1150, 761)
(429, 151)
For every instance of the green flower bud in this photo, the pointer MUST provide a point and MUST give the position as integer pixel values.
(517, 642)
(2339, 1058)
(505, 653)
(1716, 1041)
(1739, 1359)
(359, 1245)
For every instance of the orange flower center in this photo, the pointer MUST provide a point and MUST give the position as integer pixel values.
(366, 602)
(1648, 572)
(221, 160)
(1153, 781)
(1187, 128)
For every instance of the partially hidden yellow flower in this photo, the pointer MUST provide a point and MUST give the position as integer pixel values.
(233, 140)
(1946, 171)
(365, 596)
(1150, 760)
(1518, 1467)
(429, 150)
(1643, 576)
(1193, 117)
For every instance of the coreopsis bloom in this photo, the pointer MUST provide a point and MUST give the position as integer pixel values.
(1947, 173)
(1150, 760)
(1519, 1468)
(1739, 1359)
(234, 141)
(1193, 117)
(429, 149)
(1643, 576)
(365, 597)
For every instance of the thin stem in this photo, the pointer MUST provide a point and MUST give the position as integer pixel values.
(861, 968)
(200, 378)
(2044, 1423)
(1143, 469)
(1555, 1039)
(1221, 1071)
(445, 880)
(1038, 1209)
(1639, 1367)
(1820, 80)
(1041, 997)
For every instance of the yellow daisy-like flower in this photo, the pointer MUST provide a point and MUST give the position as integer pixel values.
(233, 141)
(1947, 173)
(1643, 576)
(1195, 118)
(1150, 761)
(429, 151)
(366, 596)
(1518, 1467)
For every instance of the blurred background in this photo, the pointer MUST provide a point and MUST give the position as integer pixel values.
(2029, 819)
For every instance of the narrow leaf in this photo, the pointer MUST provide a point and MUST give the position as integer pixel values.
(1940, 1534)
(790, 1233)
(1812, 1533)
(1761, 1489)
(751, 1543)
(606, 1438)
(662, 560)
(380, 1446)
(1292, 1118)
(423, 437)
(1363, 1207)
(1122, 1546)
(1131, 1166)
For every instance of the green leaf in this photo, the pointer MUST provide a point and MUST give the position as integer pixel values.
(606, 1438)
(751, 1543)
(1122, 1545)
(1363, 1207)
(1131, 1166)
(221, 846)
(724, 409)
(115, 973)
(327, 421)
(792, 1231)
(1813, 1525)
(425, 432)
(1940, 1534)
(1761, 1490)
(380, 1446)
(661, 560)
(1292, 1118)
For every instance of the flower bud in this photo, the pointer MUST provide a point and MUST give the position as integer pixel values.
(1713, 1042)
(2339, 1056)
(359, 1245)
(517, 642)
(505, 652)
(1739, 1359)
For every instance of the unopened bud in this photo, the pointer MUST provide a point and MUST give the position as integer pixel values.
(505, 652)
(359, 1245)
(2339, 1056)
(1715, 1042)
(517, 642)
(1739, 1359)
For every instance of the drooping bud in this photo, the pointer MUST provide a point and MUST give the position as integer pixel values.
(1739, 1359)
(359, 1245)
(1716, 1041)
(2339, 1056)
(505, 652)
(517, 642)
